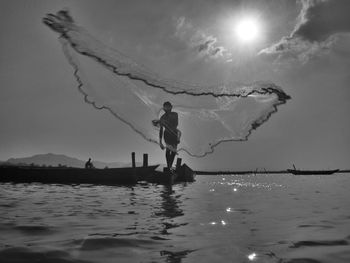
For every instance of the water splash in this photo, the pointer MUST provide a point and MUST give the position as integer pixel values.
(209, 115)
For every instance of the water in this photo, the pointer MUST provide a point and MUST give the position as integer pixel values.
(247, 218)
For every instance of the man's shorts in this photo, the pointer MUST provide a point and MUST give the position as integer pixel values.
(171, 138)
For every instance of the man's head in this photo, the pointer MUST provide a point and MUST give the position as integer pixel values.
(167, 106)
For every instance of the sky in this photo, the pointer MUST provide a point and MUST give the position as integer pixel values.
(302, 46)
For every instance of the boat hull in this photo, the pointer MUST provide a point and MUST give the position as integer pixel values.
(311, 172)
(127, 175)
(168, 177)
(110, 176)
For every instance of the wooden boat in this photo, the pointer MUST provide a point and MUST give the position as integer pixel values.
(68, 175)
(311, 172)
(109, 176)
(125, 175)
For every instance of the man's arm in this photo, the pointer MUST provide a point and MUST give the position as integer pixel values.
(176, 120)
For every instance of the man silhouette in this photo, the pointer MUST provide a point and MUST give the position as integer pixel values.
(168, 126)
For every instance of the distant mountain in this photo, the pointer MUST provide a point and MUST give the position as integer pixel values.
(60, 159)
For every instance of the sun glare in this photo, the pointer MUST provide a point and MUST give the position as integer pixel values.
(247, 30)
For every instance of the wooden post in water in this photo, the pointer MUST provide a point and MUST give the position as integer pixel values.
(133, 162)
(145, 160)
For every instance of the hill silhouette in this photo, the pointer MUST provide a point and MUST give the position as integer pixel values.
(60, 159)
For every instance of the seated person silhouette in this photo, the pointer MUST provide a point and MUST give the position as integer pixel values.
(88, 164)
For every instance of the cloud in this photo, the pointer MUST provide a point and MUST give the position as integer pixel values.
(319, 23)
(204, 44)
(207, 44)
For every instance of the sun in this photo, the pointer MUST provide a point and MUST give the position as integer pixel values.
(247, 30)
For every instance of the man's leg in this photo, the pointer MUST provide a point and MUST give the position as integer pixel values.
(172, 155)
(168, 158)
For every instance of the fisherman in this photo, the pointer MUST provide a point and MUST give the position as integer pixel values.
(168, 125)
(88, 164)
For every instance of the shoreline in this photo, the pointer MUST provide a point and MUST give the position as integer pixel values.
(254, 172)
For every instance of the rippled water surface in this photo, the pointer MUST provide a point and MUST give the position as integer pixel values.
(262, 218)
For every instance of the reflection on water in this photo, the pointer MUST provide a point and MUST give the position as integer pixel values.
(170, 209)
(265, 218)
(252, 256)
(170, 203)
